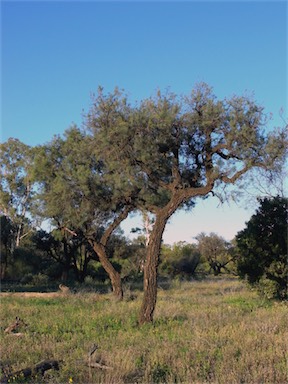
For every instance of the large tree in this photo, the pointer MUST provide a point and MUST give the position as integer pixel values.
(80, 198)
(178, 149)
(262, 246)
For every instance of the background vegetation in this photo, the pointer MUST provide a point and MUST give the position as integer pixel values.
(258, 254)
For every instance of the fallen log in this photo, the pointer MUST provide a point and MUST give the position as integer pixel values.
(38, 369)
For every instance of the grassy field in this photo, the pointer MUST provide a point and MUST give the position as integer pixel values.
(214, 331)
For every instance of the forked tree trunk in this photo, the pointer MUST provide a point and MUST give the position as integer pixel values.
(114, 276)
(151, 271)
(152, 257)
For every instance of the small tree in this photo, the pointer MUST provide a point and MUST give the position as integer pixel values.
(262, 247)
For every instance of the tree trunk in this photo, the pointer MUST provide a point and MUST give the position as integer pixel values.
(152, 256)
(151, 270)
(66, 263)
(64, 274)
(19, 229)
(4, 264)
(114, 276)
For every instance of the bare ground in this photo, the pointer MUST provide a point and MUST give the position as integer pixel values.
(31, 294)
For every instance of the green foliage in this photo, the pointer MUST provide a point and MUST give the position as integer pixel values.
(180, 260)
(262, 248)
(7, 230)
(16, 184)
(40, 280)
(215, 251)
(168, 143)
(271, 289)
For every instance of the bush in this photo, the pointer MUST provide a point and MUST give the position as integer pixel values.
(267, 288)
(40, 280)
(27, 279)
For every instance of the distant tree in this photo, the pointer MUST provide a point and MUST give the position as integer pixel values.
(216, 251)
(7, 231)
(64, 250)
(180, 259)
(16, 185)
(262, 247)
(175, 150)
(24, 260)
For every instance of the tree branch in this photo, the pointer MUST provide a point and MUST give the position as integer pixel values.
(108, 232)
(236, 176)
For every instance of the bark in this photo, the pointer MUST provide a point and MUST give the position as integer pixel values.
(64, 275)
(154, 247)
(151, 270)
(66, 263)
(4, 264)
(82, 273)
(111, 271)
(100, 250)
(19, 229)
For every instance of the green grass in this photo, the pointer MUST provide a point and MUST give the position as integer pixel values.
(213, 331)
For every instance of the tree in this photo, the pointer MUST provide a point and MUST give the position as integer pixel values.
(6, 245)
(175, 150)
(77, 194)
(68, 252)
(16, 185)
(215, 250)
(262, 247)
(181, 259)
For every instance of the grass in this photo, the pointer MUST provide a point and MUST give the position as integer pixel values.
(214, 331)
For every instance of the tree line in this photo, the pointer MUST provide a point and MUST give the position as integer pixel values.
(156, 156)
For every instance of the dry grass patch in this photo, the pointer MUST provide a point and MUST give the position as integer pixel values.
(211, 331)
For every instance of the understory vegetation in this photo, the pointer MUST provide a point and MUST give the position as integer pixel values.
(210, 331)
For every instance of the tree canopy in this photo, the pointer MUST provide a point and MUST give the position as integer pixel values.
(175, 149)
(80, 197)
(16, 185)
(262, 246)
(215, 250)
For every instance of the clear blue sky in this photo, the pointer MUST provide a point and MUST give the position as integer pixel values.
(54, 54)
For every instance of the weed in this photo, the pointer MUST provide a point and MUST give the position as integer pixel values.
(160, 373)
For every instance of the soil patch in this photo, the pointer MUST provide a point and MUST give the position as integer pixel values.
(31, 294)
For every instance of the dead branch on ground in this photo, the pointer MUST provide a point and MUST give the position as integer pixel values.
(38, 369)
